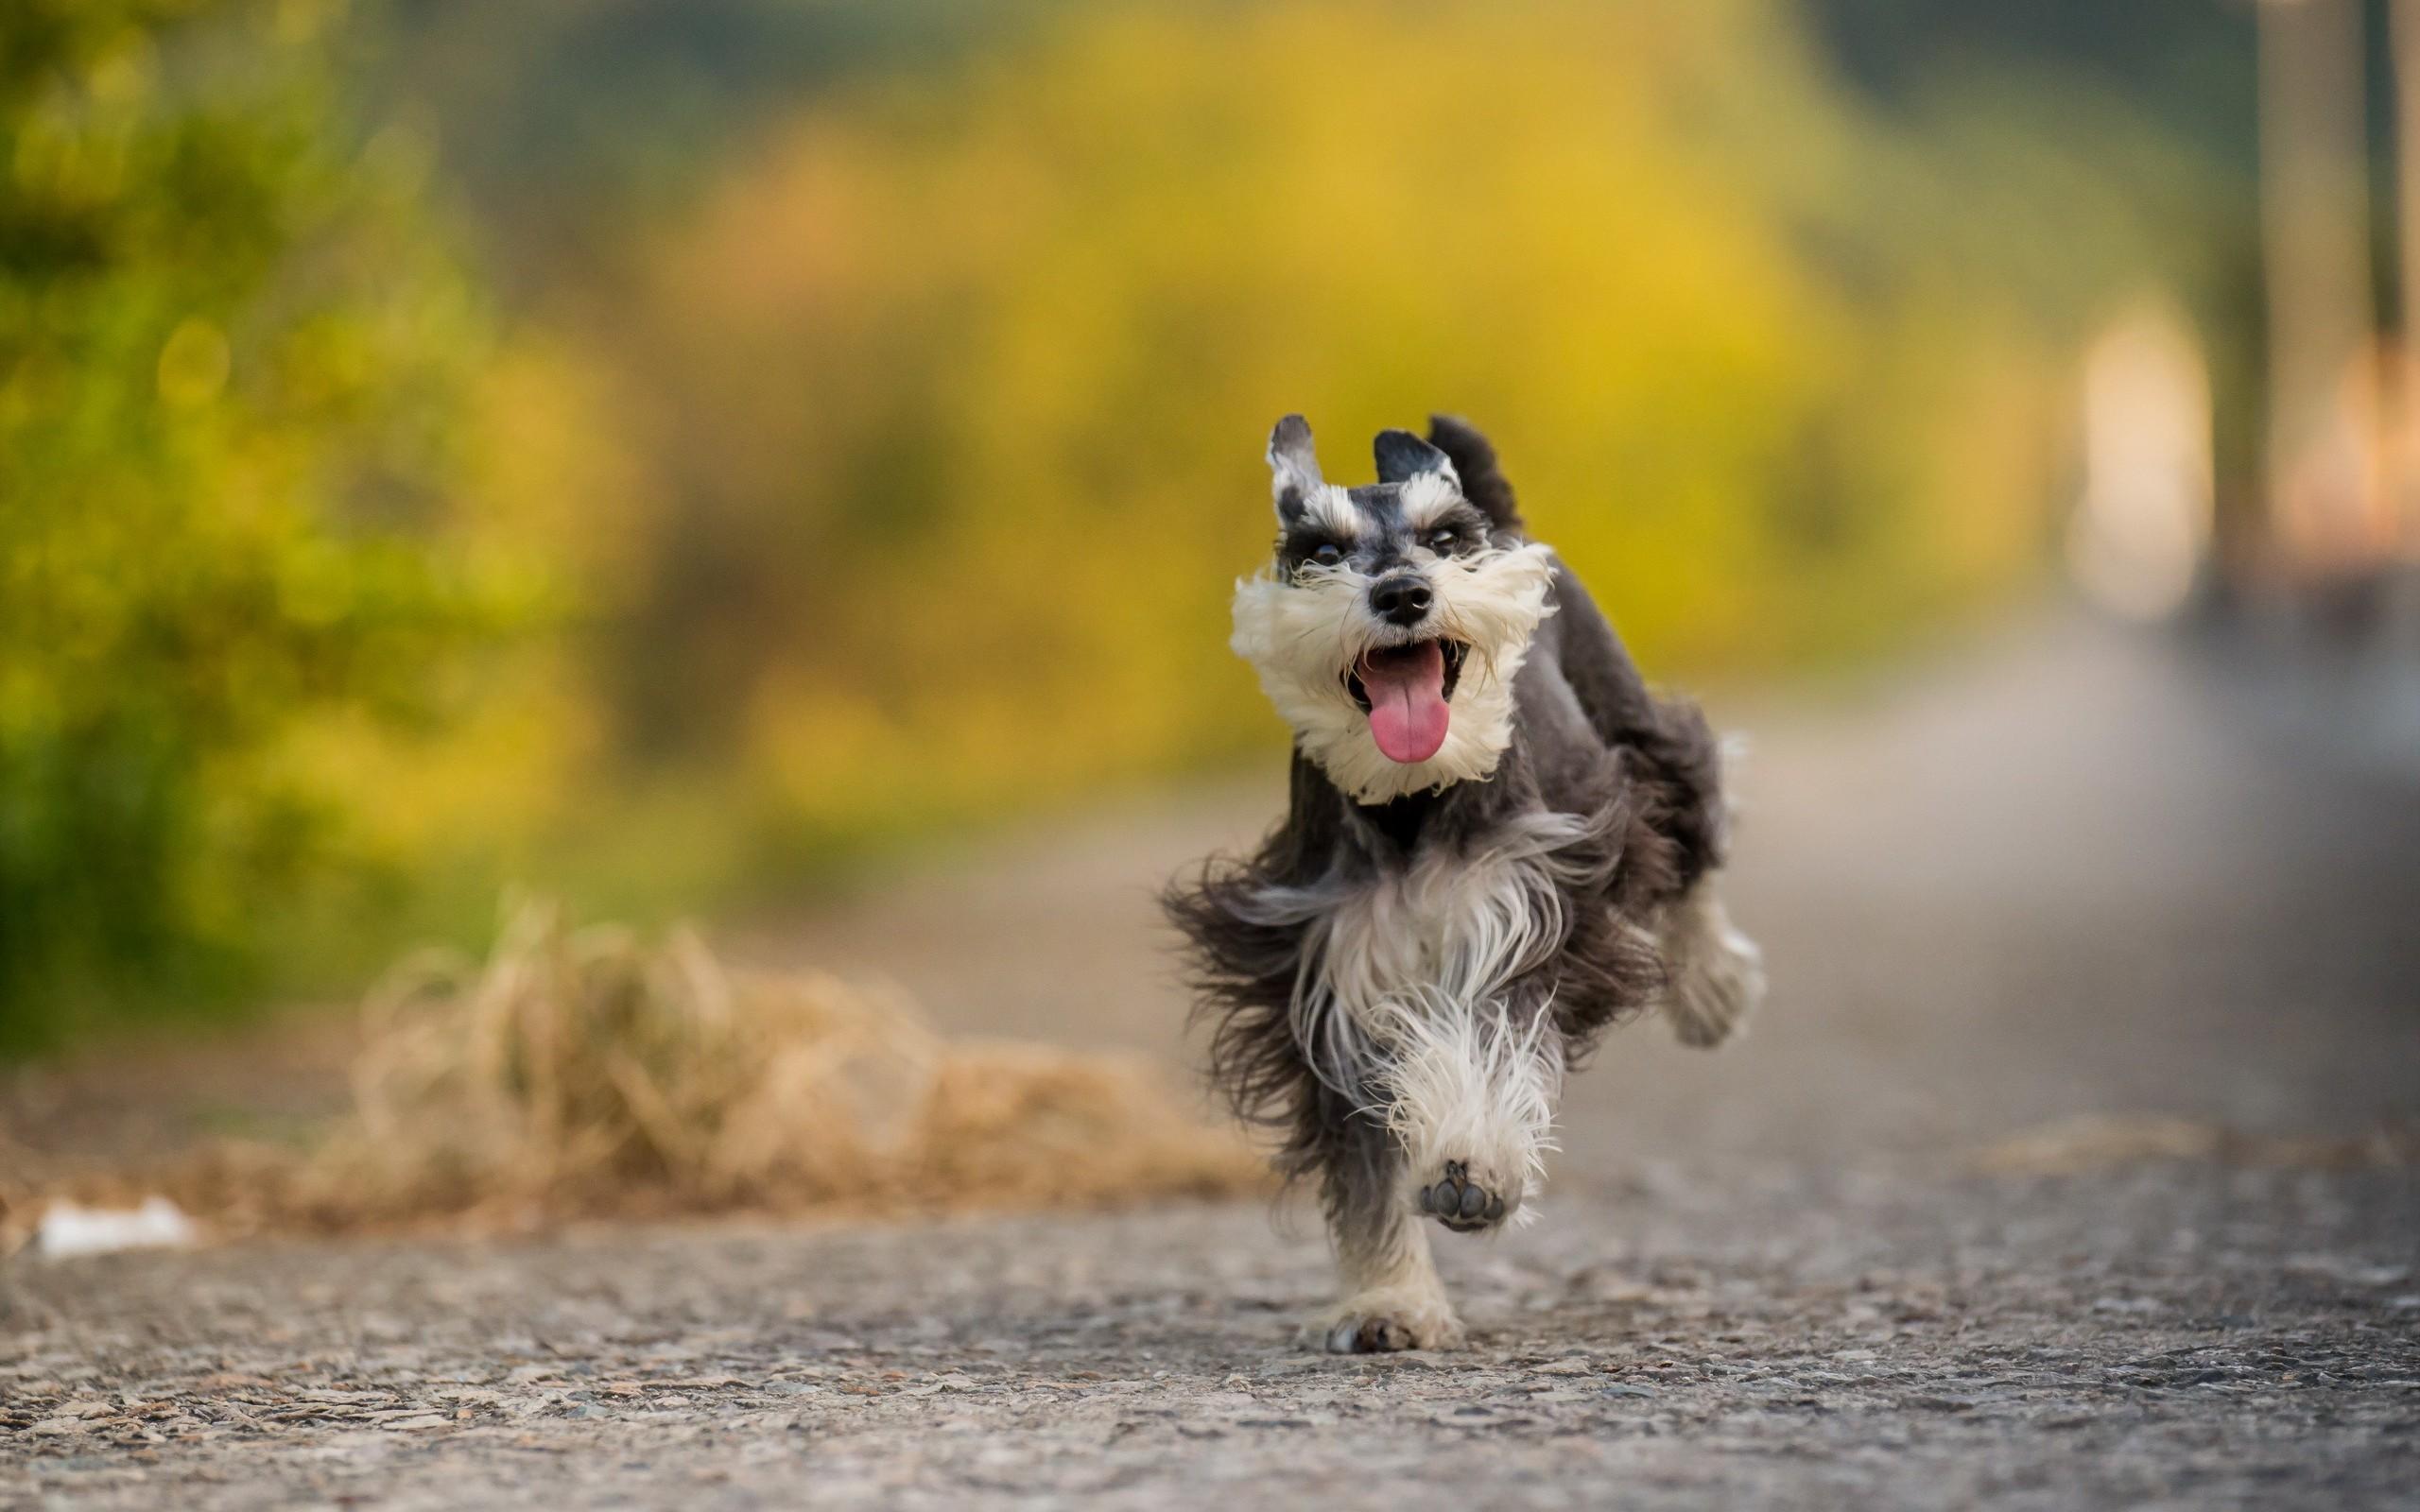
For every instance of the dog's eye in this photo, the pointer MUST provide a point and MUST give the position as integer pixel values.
(1445, 540)
(1329, 555)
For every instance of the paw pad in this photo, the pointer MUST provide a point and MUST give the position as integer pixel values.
(1369, 1335)
(1460, 1203)
(1382, 1324)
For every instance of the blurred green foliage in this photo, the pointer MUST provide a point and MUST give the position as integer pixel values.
(233, 358)
(853, 426)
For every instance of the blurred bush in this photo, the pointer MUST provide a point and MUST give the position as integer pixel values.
(961, 382)
(879, 456)
(233, 365)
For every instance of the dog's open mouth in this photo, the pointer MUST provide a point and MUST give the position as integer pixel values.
(1404, 690)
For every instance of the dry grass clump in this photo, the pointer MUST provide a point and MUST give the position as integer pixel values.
(579, 1073)
(2098, 1142)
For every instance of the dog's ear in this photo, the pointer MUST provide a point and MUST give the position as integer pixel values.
(1402, 456)
(1293, 465)
(1482, 482)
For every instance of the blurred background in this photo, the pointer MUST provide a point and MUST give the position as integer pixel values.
(717, 458)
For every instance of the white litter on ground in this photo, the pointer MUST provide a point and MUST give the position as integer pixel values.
(69, 1230)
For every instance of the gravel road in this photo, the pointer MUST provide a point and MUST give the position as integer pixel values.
(2067, 874)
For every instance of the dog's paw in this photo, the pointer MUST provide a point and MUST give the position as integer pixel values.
(1716, 993)
(1383, 1322)
(1716, 973)
(1465, 1203)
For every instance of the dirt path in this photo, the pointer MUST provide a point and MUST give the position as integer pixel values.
(2068, 878)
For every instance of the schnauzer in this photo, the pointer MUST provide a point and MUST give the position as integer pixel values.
(1499, 843)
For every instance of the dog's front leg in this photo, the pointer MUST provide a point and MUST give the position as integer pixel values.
(1392, 1299)
(1470, 1094)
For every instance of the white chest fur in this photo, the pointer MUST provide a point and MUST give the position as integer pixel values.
(1403, 1005)
(1434, 946)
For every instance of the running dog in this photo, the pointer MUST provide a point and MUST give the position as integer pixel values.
(1499, 842)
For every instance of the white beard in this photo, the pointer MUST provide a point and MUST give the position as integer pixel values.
(1300, 634)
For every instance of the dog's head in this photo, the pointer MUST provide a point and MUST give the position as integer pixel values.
(1387, 629)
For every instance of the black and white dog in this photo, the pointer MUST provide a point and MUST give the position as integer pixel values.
(1499, 843)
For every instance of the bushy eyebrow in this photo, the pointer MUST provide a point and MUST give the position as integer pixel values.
(1327, 508)
(1430, 499)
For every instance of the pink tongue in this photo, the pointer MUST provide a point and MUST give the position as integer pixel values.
(1407, 689)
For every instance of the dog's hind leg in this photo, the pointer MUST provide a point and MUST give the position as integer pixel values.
(1671, 751)
(1392, 1299)
(1713, 975)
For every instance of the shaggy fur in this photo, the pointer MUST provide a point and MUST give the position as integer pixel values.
(1398, 979)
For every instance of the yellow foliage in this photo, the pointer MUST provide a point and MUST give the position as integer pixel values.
(979, 367)
(904, 475)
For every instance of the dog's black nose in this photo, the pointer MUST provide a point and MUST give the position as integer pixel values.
(1399, 600)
